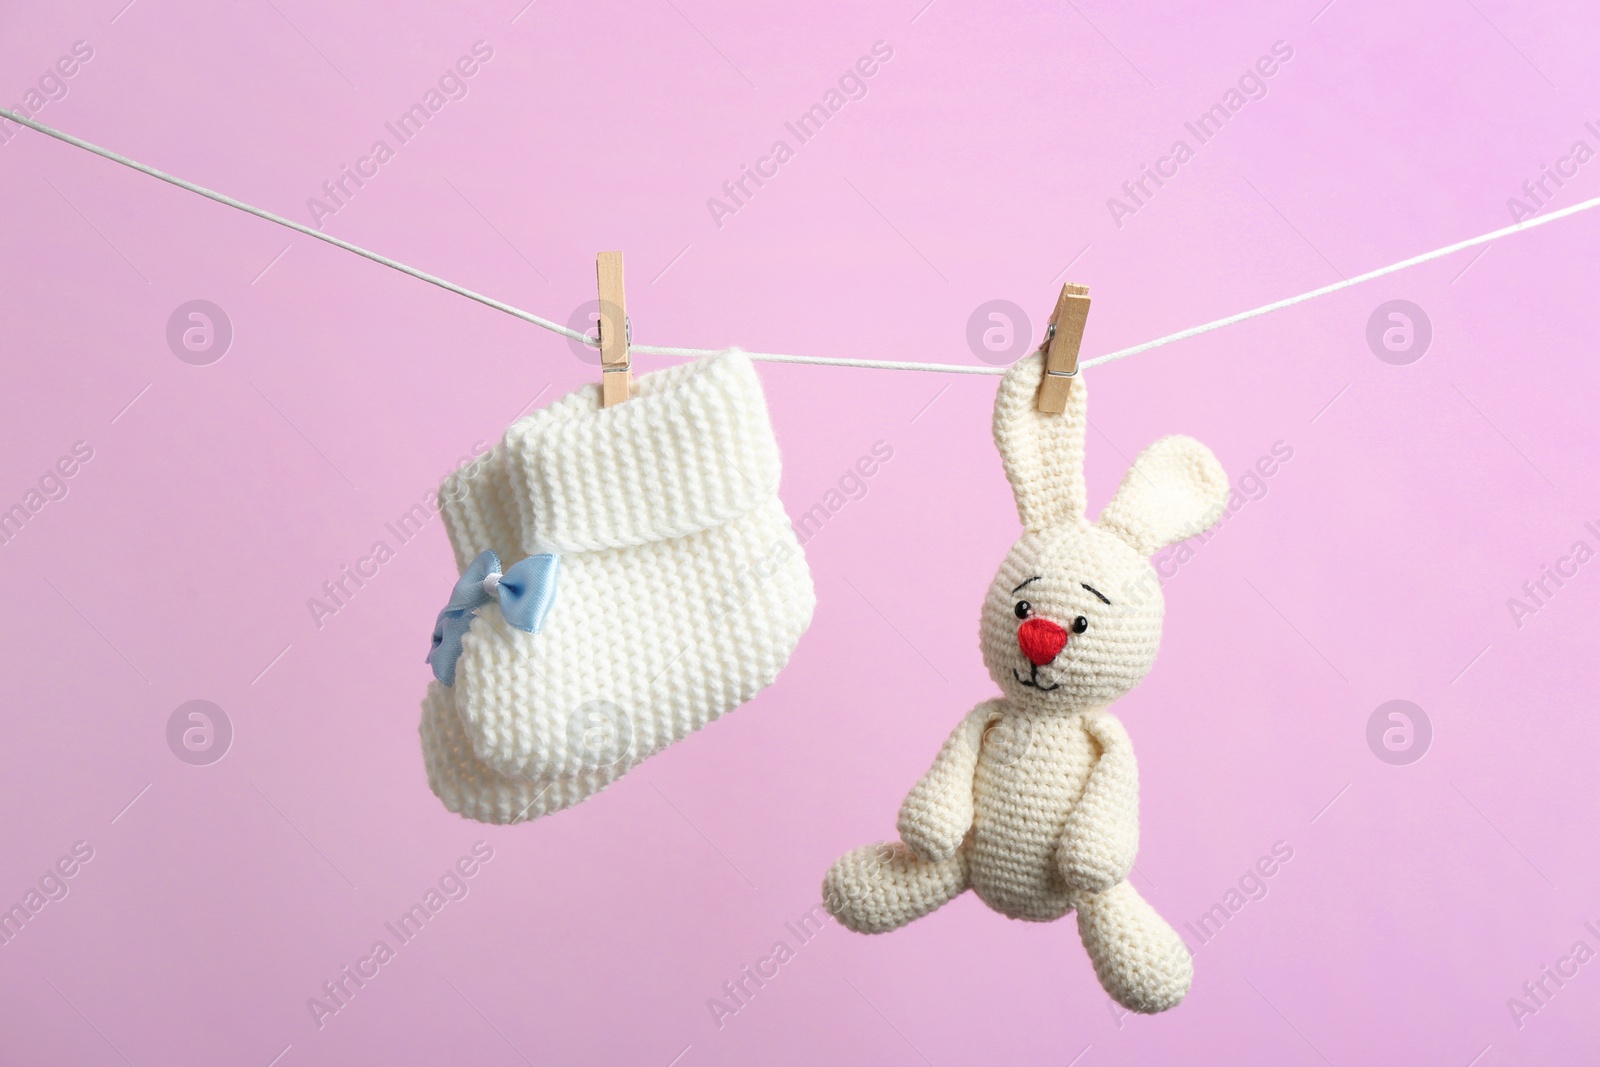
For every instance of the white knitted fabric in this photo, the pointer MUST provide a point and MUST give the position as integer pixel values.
(681, 591)
(1033, 802)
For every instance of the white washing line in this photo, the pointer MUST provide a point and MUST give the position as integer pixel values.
(776, 357)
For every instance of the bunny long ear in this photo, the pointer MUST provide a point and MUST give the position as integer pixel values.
(1042, 454)
(1174, 491)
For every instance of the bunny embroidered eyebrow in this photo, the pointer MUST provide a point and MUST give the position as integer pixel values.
(1086, 585)
(1033, 801)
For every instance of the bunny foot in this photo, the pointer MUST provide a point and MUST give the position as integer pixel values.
(1140, 960)
(882, 887)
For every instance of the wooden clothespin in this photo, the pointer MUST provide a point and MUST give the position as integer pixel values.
(1061, 341)
(616, 377)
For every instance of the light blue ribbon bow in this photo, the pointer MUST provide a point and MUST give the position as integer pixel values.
(525, 593)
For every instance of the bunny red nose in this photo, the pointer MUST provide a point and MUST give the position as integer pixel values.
(1041, 640)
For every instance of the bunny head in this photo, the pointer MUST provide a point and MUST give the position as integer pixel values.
(1073, 619)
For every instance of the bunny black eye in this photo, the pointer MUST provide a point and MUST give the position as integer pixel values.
(1080, 624)
(1024, 609)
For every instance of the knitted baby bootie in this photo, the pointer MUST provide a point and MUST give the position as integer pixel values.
(671, 584)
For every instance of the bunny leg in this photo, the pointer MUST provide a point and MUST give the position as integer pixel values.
(1139, 959)
(882, 887)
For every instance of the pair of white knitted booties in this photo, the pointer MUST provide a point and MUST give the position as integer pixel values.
(644, 580)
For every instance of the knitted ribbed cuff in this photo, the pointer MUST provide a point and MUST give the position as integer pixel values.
(692, 450)
(479, 511)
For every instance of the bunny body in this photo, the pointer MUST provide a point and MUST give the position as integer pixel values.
(1033, 800)
(1021, 803)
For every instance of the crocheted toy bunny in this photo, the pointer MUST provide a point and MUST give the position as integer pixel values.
(1033, 801)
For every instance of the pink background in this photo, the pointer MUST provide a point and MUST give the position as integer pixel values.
(1377, 566)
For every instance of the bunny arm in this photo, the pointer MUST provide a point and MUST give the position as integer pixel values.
(937, 813)
(1101, 835)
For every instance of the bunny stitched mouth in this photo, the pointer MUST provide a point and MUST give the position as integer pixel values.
(1032, 681)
